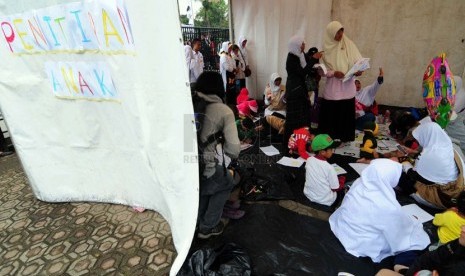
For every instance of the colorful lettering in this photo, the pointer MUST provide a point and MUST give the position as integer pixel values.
(55, 83)
(106, 19)
(21, 34)
(101, 82)
(36, 31)
(124, 22)
(9, 38)
(47, 20)
(69, 80)
(78, 20)
(83, 83)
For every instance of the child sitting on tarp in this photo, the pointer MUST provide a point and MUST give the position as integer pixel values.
(298, 142)
(450, 221)
(322, 184)
(246, 130)
(369, 143)
(247, 109)
(243, 96)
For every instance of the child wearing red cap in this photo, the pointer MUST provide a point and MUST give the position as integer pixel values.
(247, 108)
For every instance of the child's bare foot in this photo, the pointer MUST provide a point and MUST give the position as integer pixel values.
(364, 160)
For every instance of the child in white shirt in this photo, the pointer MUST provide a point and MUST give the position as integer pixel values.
(321, 181)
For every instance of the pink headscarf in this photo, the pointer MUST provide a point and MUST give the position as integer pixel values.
(246, 107)
(243, 96)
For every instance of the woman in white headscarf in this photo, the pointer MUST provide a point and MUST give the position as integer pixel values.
(437, 176)
(370, 221)
(338, 104)
(275, 113)
(227, 70)
(298, 103)
(243, 51)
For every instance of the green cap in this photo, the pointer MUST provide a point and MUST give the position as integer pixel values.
(322, 141)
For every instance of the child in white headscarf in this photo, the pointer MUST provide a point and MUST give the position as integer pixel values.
(227, 70)
(275, 113)
(370, 221)
(438, 173)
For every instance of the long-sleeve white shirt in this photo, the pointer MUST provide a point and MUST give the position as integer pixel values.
(195, 64)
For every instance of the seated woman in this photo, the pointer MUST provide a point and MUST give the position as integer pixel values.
(437, 177)
(275, 113)
(370, 221)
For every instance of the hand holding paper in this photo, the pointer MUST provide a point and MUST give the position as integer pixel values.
(362, 65)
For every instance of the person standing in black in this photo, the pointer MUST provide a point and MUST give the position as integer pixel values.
(298, 103)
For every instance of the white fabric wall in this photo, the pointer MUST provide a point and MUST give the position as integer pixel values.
(268, 25)
(135, 152)
(403, 37)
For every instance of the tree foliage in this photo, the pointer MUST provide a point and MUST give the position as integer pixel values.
(183, 18)
(213, 14)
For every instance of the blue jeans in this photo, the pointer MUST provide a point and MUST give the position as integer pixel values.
(214, 192)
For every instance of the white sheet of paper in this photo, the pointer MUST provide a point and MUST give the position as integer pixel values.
(349, 149)
(322, 67)
(361, 65)
(270, 150)
(416, 213)
(339, 169)
(358, 167)
(291, 162)
(245, 146)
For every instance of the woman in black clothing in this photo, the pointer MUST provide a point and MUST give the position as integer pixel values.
(298, 103)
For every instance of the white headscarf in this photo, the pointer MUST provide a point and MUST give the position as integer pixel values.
(294, 48)
(339, 55)
(459, 95)
(273, 87)
(370, 221)
(244, 54)
(224, 47)
(436, 161)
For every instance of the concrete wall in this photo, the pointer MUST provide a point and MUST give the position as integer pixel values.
(403, 36)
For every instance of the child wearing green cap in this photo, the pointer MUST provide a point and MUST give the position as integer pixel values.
(322, 183)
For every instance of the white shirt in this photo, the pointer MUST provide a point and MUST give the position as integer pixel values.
(320, 179)
(226, 64)
(195, 63)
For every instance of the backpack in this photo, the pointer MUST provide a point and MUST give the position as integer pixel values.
(200, 106)
(439, 90)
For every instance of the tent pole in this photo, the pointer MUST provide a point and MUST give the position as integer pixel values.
(231, 29)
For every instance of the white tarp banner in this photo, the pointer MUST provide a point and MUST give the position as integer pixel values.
(97, 102)
(268, 25)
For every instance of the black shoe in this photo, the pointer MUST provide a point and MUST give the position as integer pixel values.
(215, 231)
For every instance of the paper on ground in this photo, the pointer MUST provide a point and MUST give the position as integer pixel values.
(361, 65)
(270, 150)
(339, 169)
(291, 162)
(358, 167)
(416, 213)
(245, 146)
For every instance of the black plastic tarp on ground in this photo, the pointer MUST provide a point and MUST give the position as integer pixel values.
(282, 242)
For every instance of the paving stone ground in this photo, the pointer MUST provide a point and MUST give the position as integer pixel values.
(40, 238)
(83, 238)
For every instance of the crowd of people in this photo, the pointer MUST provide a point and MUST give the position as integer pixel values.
(368, 220)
